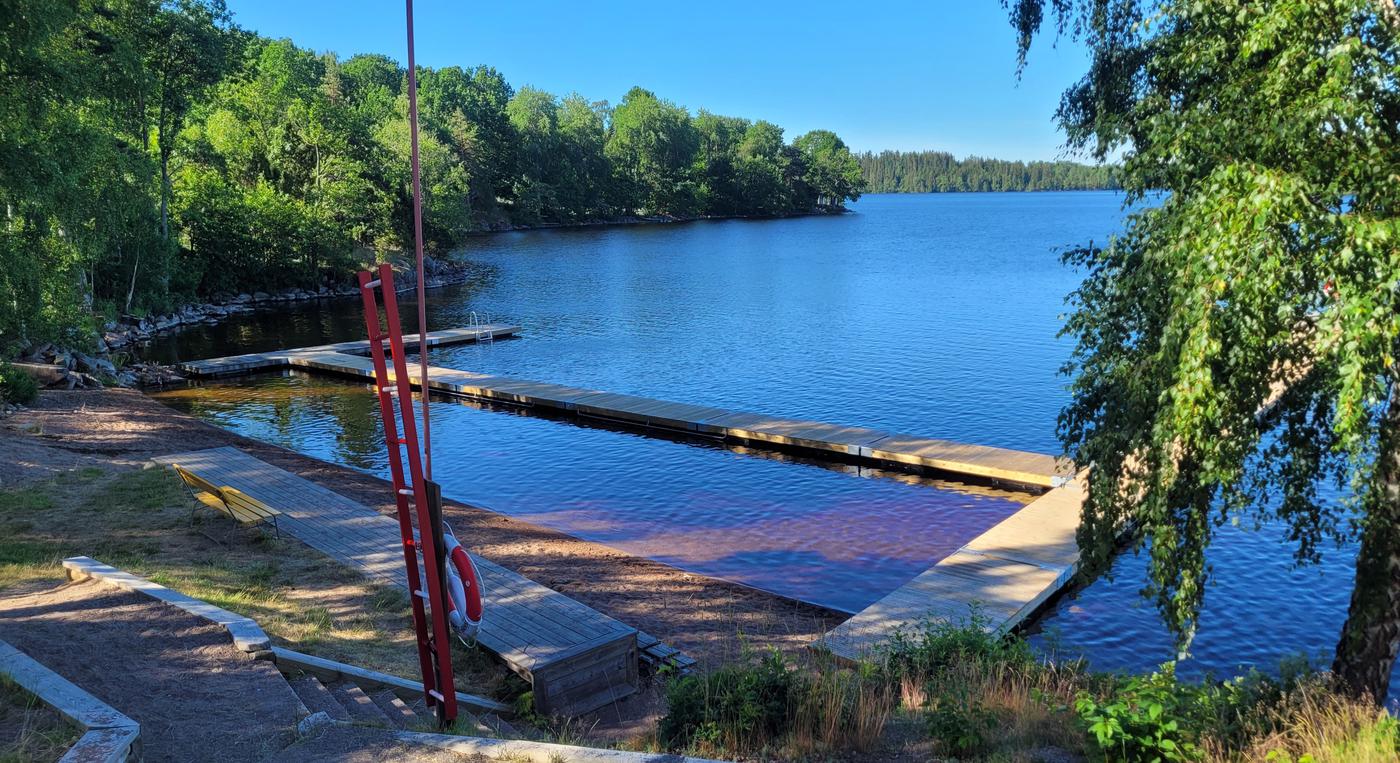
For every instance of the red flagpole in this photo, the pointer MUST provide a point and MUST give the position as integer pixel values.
(418, 247)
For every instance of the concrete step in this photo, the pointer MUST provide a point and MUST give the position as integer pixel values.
(317, 697)
(466, 722)
(398, 711)
(361, 708)
(499, 726)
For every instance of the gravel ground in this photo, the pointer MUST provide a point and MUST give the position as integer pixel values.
(177, 675)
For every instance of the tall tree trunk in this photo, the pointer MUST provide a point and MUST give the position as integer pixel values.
(1371, 637)
(131, 289)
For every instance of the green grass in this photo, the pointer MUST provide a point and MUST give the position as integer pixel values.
(139, 520)
(955, 691)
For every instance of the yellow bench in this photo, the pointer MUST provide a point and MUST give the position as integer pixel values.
(231, 501)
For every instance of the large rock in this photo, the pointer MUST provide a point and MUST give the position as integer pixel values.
(46, 374)
(92, 365)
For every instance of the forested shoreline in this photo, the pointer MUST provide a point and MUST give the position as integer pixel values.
(940, 172)
(156, 154)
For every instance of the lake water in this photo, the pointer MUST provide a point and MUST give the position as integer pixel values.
(933, 315)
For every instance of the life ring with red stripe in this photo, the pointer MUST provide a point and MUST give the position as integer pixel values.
(464, 603)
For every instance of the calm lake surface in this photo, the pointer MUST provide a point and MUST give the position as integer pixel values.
(933, 315)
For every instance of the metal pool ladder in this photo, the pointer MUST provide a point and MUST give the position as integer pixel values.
(480, 325)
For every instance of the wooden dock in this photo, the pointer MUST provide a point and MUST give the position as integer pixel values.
(576, 658)
(1034, 470)
(1004, 575)
(236, 365)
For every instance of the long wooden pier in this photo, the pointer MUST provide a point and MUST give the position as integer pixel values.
(1006, 573)
(1033, 470)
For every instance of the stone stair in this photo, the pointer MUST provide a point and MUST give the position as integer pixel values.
(345, 702)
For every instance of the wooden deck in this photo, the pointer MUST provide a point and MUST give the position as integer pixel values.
(1004, 575)
(576, 658)
(1034, 470)
(235, 365)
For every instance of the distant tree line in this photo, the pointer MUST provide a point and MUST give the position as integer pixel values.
(939, 171)
(153, 152)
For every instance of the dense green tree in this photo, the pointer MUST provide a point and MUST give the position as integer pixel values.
(586, 175)
(652, 144)
(446, 187)
(73, 169)
(1273, 129)
(764, 165)
(466, 110)
(188, 48)
(717, 163)
(831, 173)
(535, 116)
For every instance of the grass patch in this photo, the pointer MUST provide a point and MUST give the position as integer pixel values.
(16, 386)
(144, 521)
(766, 706)
(29, 729)
(957, 691)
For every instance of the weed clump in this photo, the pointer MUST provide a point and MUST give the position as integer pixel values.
(16, 386)
(765, 704)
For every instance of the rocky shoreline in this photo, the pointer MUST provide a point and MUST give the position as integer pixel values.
(57, 367)
(119, 334)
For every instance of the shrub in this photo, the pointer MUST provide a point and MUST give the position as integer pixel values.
(737, 707)
(1157, 717)
(16, 386)
(959, 723)
(1139, 721)
(936, 645)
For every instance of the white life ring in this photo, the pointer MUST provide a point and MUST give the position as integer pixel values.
(465, 608)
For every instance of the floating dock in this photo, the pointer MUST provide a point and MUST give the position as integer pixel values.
(1003, 576)
(1033, 470)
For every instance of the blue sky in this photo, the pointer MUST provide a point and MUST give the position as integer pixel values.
(937, 74)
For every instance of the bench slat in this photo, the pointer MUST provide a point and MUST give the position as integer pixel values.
(240, 501)
(197, 483)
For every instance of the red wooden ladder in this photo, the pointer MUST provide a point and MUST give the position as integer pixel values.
(434, 644)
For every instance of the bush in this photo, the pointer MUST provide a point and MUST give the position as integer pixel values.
(937, 645)
(769, 706)
(959, 723)
(16, 386)
(737, 707)
(1157, 717)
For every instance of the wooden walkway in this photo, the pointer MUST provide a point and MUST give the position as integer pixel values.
(576, 658)
(1004, 575)
(267, 361)
(999, 464)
